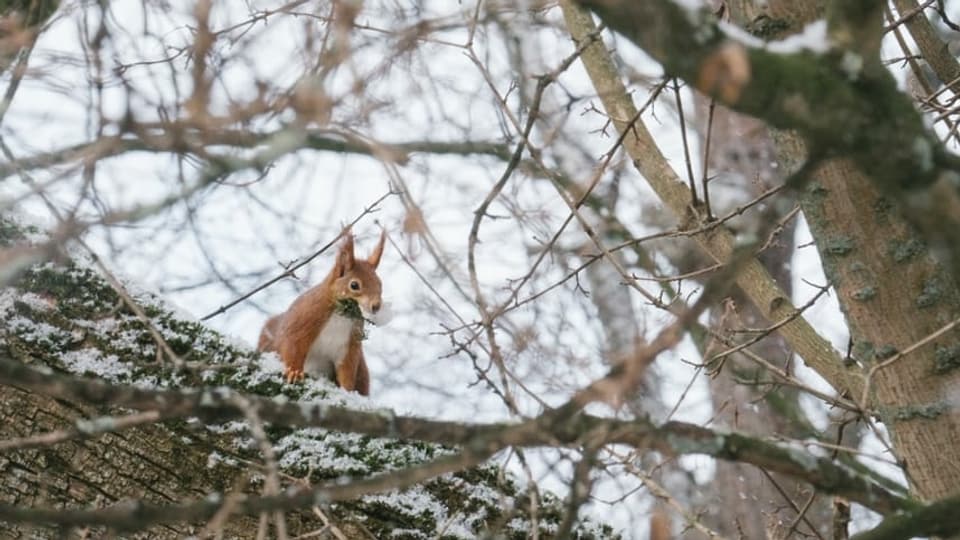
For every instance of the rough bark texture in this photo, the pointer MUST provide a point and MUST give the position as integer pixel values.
(894, 294)
(160, 464)
(891, 287)
(67, 318)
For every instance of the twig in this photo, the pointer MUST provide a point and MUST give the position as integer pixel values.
(289, 272)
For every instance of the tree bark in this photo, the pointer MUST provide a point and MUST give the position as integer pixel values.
(894, 292)
(67, 318)
(895, 296)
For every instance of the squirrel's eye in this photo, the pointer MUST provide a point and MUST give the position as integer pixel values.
(355, 285)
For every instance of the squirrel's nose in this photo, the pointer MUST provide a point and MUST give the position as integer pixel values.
(375, 307)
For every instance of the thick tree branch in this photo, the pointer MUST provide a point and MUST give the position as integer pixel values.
(138, 515)
(554, 428)
(939, 519)
(836, 105)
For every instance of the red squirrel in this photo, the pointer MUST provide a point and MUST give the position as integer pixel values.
(319, 333)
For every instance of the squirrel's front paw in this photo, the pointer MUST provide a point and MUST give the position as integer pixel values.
(292, 375)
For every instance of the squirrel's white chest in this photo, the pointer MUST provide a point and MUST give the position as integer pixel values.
(330, 347)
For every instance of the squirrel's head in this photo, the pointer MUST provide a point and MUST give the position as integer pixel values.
(357, 278)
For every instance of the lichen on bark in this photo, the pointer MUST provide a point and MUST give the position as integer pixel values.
(67, 318)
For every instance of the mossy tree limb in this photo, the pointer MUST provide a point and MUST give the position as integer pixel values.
(838, 104)
(827, 98)
(550, 429)
(68, 453)
(60, 312)
(939, 519)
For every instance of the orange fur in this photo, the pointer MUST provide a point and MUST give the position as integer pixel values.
(659, 525)
(268, 334)
(298, 333)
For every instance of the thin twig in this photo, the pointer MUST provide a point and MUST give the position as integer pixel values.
(289, 272)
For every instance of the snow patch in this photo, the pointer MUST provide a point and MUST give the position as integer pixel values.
(523, 526)
(84, 361)
(36, 331)
(233, 426)
(813, 38)
(317, 449)
(216, 458)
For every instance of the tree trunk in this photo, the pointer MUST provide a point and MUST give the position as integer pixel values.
(895, 296)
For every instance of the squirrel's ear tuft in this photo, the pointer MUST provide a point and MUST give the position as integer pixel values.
(374, 258)
(345, 258)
